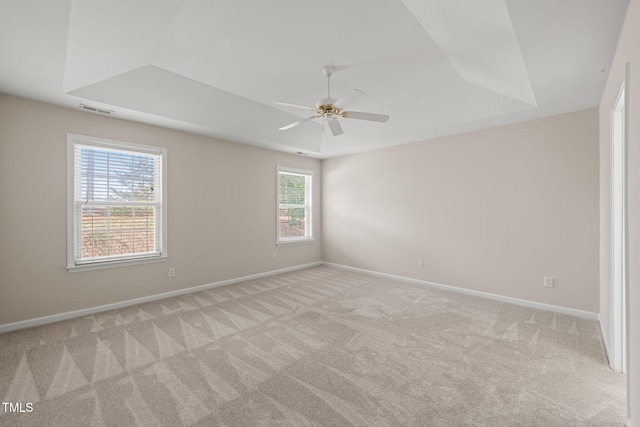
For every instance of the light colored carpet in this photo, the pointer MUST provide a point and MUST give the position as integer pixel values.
(318, 347)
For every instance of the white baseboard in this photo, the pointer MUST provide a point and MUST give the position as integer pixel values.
(7, 327)
(113, 306)
(526, 303)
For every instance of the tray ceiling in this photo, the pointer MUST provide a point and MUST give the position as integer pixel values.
(437, 67)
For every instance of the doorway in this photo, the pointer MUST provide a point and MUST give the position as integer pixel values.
(619, 289)
(618, 231)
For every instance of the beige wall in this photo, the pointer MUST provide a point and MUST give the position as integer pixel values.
(627, 52)
(221, 212)
(493, 210)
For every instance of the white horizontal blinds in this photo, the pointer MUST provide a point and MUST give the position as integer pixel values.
(118, 203)
(294, 205)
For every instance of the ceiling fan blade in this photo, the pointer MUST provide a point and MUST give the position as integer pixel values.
(292, 125)
(365, 116)
(336, 128)
(289, 104)
(350, 98)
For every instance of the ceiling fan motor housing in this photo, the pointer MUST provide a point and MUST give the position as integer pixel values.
(325, 108)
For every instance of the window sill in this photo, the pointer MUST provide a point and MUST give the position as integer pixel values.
(294, 242)
(113, 264)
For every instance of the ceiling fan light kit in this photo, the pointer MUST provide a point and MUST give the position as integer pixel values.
(330, 109)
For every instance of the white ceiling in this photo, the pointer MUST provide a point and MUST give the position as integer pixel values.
(437, 67)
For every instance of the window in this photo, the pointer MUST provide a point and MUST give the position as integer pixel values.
(116, 212)
(294, 205)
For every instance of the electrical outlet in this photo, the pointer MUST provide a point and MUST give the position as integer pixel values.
(548, 282)
(172, 272)
(274, 256)
(346, 252)
(421, 263)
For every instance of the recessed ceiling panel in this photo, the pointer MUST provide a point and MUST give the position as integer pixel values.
(479, 40)
(376, 46)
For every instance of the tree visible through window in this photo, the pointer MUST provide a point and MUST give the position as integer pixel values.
(117, 201)
(294, 205)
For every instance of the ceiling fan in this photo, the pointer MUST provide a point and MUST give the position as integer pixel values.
(330, 109)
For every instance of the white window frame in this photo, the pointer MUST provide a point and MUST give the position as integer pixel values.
(73, 264)
(307, 206)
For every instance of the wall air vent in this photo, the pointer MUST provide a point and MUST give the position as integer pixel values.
(96, 109)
